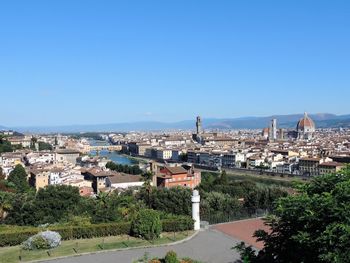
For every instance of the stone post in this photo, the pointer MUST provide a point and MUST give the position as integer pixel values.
(195, 209)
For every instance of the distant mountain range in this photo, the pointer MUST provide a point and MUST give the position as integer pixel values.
(322, 120)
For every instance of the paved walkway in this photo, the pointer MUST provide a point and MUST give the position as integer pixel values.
(244, 230)
(207, 246)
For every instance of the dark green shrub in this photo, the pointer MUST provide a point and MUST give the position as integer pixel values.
(179, 223)
(93, 230)
(147, 224)
(40, 243)
(171, 257)
(16, 236)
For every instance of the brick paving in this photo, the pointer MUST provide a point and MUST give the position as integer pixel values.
(243, 230)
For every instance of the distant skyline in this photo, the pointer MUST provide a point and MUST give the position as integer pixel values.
(92, 62)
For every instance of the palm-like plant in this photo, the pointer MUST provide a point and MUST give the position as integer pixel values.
(5, 205)
(102, 198)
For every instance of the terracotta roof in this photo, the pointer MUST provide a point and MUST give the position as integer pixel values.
(124, 178)
(331, 164)
(67, 151)
(99, 173)
(310, 159)
(176, 169)
(305, 122)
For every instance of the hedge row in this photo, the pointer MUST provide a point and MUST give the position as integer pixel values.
(179, 224)
(15, 236)
(95, 230)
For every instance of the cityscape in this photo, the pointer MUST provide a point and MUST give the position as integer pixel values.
(174, 132)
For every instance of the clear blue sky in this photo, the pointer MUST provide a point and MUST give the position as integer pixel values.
(89, 62)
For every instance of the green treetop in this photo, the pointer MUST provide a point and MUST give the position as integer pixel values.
(19, 178)
(311, 226)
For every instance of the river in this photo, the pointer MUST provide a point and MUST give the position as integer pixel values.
(113, 156)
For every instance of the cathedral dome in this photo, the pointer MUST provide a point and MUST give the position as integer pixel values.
(306, 124)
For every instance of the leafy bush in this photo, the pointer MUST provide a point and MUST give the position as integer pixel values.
(188, 260)
(38, 242)
(147, 224)
(171, 257)
(43, 240)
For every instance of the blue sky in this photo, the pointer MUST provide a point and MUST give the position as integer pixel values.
(90, 62)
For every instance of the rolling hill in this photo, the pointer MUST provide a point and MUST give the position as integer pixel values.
(322, 120)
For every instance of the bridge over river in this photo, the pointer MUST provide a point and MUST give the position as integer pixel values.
(105, 147)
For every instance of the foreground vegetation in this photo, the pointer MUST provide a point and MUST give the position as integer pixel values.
(25, 212)
(311, 226)
(79, 246)
(170, 257)
(142, 213)
(225, 198)
(63, 204)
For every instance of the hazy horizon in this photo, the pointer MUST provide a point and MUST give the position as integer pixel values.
(204, 119)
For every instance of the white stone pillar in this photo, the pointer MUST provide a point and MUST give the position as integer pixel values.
(195, 209)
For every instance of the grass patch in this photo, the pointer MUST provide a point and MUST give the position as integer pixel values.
(79, 246)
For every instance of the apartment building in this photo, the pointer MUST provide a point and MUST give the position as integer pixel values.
(178, 176)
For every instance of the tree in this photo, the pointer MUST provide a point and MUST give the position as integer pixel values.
(105, 209)
(176, 200)
(33, 141)
(5, 204)
(5, 145)
(312, 226)
(219, 202)
(43, 146)
(2, 175)
(147, 224)
(23, 211)
(208, 181)
(129, 169)
(147, 176)
(55, 203)
(113, 206)
(147, 186)
(49, 205)
(18, 177)
(223, 179)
